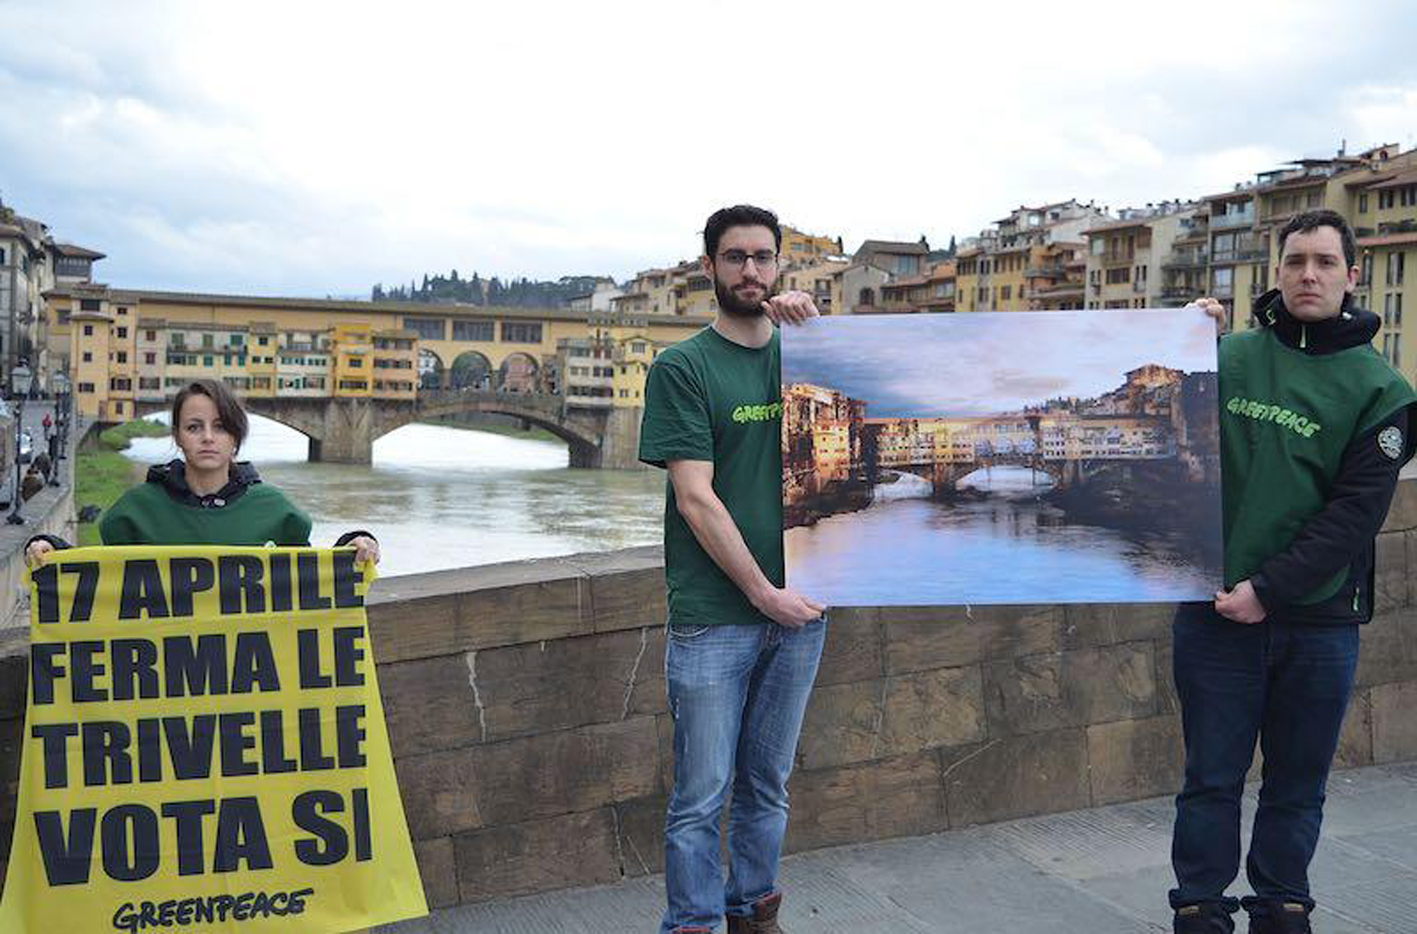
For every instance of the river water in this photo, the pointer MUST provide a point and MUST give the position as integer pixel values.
(440, 497)
(1007, 547)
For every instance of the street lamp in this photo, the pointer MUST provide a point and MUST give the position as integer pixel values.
(56, 449)
(20, 387)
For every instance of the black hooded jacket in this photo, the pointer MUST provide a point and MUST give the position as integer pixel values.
(1343, 532)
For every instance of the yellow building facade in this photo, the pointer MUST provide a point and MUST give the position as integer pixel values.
(139, 347)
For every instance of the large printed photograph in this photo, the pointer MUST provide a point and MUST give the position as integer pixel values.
(1050, 457)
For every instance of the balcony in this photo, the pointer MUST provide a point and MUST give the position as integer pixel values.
(1185, 293)
(1223, 291)
(1185, 258)
(1052, 271)
(1242, 219)
(1117, 257)
(1239, 256)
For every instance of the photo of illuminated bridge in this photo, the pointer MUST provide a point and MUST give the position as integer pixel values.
(1098, 462)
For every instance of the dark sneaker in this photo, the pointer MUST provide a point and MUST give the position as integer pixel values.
(1280, 918)
(763, 920)
(1202, 919)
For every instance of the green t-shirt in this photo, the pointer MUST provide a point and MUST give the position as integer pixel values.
(709, 399)
(146, 515)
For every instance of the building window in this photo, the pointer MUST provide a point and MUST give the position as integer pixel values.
(1395, 264)
(89, 304)
(521, 333)
(86, 387)
(208, 341)
(122, 356)
(88, 356)
(122, 333)
(355, 363)
(122, 311)
(1363, 204)
(474, 331)
(234, 340)
(150, 358)
(430, 329)
(207, 361)
(88, 330)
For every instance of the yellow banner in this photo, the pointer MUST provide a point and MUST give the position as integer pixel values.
(205, 749)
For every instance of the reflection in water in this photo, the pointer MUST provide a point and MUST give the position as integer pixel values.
(440, 497)
(1001, 548)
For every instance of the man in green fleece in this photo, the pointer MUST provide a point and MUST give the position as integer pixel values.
(1314, 426)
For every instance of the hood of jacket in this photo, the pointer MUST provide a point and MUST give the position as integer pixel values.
(1351, 327)
(172, 477)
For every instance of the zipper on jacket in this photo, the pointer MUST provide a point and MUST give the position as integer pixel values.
(1303, 336)
(1356, 590)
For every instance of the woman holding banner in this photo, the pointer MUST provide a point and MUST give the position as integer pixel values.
(207, 497)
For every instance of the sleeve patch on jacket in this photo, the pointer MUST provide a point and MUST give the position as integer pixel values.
(1390, 441)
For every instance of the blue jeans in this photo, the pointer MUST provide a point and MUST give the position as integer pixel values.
(737, 694)
(1289, 686)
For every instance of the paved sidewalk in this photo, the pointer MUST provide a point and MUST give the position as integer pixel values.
(1102, 871)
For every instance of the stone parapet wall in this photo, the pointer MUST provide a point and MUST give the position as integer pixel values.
(526, 709)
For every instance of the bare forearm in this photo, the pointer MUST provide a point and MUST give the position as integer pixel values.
(716, 531)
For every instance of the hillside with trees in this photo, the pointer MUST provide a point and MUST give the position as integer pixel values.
(452, 288)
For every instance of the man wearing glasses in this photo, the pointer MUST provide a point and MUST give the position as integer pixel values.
(742, 650)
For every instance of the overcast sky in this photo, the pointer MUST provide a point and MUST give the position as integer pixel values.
(312, 149)
(964, 365)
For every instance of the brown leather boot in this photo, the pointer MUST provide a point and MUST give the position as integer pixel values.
(763, 920)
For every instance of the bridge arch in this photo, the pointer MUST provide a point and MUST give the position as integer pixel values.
(518, 373)
(471, 370)
(431, 372)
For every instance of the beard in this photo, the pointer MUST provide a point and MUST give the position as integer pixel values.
(732, 305)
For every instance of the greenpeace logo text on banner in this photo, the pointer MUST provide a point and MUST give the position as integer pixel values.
(208, 910)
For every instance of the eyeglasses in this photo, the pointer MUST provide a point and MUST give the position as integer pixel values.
(738, 259)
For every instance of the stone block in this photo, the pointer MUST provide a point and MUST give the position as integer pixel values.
(14, 685)
(536, 856)
(408, 629)
(923, 638)
(640, 828)
(430, 704)
(1402, 514)
(843, 724)
(1016, 776)
(1166, 700)
(438, 869)
(628, 599)
(867, 801)
(1091, 624)
(537, 610)
(1133, 759)
(560, 684)
(1394, 726)
(558, 773)
(440, 792)
(1391, 579)
(1355, 739)
(853, 646)
(1389, 648)
(1049, 692)
(928, 709)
